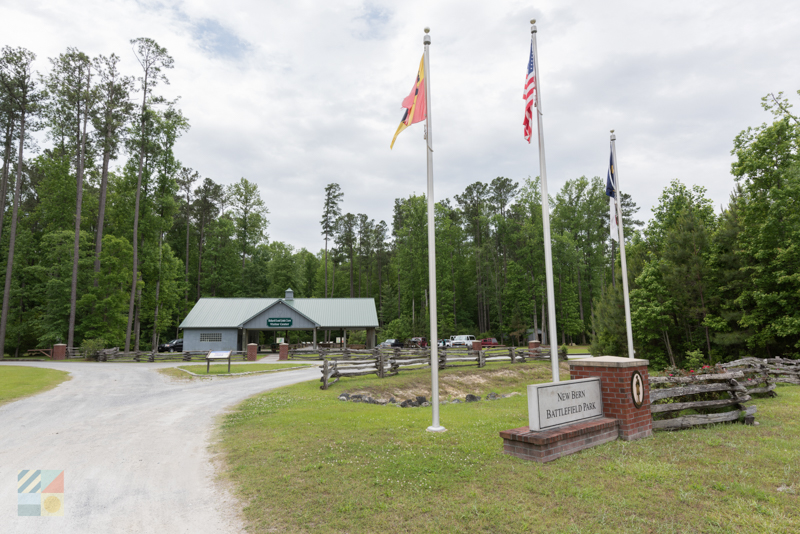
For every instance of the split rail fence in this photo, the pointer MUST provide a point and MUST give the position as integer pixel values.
(108, 355)
(339, 364)
(712, 395)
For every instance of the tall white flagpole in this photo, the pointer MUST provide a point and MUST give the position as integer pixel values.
(433, 342)
(548, 253)
(624, 263)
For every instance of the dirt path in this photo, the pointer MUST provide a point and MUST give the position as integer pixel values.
(134, 445)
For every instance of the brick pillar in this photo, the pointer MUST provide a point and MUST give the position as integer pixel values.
(283, 354)
(534, 349)
(252, 351)
(59, 351)
(476, 345)
(616, 376)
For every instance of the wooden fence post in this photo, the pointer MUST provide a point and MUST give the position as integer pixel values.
(511, 353)
(325, 375)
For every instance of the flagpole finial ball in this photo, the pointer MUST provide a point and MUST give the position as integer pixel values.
(533, 21)
(612, 131)
(427, 30)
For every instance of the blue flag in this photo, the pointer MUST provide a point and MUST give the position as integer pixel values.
(611, 180)
(611, 189)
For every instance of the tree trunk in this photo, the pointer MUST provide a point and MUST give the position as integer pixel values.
(158, 286)
(453, 276)
(138, 326)
(352, 293)
(613, 264)
(12, 239)
(703, 304)
(380, 291)
(580, 308)
(76, 247)
(98, 245)
(669, 348)
(4, 183)
(333, 281)
(545, 341)
(398, 293)
(186, 272)
(200, 253)
(561, 307)
(535, 318)
(326, 265)
(135, 241)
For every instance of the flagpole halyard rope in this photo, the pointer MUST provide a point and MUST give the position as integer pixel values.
(548, 253)
(434, 333)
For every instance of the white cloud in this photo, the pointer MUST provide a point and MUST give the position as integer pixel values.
(295, 95)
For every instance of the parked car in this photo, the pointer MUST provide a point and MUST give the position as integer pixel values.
(489, 342)
(463, 341)
(176, 345)
(444, 343)
(419, 342)
(386, 344)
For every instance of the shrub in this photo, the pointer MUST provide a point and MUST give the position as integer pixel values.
(91, 347)
(694, 359)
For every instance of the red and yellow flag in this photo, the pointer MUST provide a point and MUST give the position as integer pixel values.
(414, 104)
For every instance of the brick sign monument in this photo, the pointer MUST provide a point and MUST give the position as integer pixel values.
(607, 398)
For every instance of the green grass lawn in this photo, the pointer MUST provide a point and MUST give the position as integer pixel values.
(17, 382)
(222, 368)
(304, 461)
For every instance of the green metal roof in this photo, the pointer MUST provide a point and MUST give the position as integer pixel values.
(328, 313)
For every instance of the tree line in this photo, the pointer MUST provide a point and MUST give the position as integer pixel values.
(109, 238)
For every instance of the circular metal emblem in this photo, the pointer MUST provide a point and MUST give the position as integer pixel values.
(637, 389)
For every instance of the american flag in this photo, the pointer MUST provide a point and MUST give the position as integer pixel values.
(530, 98)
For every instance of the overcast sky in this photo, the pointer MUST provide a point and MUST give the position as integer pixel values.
(294, 95)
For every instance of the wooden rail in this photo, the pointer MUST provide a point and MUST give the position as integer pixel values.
(782, 370)
(385, 362)
(705, 392)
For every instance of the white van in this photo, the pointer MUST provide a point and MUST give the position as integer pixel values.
(463, 341)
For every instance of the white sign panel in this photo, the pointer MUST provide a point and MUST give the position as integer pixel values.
(219, 355)
(559, 403)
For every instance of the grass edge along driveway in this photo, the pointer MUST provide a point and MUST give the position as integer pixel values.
(304, 461)
(17, 381)
(222, 368)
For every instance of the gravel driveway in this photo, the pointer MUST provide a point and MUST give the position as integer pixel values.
(134, 445)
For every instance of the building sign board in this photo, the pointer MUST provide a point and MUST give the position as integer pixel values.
(559, 403)
(279, 322)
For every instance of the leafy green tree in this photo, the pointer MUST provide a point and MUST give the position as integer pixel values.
(207, 198)
(330, 215)
(768, 170)
(71, 103)
(249, 215)
(346, 241)
(17, 80)
(110, 116)
(652, 313)
(153, 59)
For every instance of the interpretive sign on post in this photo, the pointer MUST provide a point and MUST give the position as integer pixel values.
(559, 403)
(218, 355)
(279, 322)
